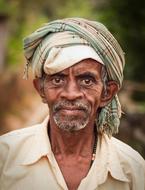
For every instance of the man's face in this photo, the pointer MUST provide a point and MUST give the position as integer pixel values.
(74, 95)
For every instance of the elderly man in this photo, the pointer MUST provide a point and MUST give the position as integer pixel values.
(78, 69)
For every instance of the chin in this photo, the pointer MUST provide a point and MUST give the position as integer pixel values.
(71, 126)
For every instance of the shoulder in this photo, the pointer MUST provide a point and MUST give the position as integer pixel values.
(128, 156)
(18, 146)
(21, 131)
(19, 135)
(128, 161)
(17, 142)
(127, 150)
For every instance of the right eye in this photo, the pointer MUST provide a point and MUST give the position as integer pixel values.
(57, 80)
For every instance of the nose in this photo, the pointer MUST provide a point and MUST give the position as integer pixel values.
(71, 91)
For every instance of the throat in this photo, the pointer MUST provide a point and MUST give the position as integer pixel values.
(78, 145)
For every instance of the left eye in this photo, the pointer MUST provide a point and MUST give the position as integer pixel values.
(87, 82)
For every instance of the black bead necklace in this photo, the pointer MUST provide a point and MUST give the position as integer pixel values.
(95, 146)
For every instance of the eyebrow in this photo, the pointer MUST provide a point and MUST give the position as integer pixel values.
(87, 73)
(81, 75)
(59, 74)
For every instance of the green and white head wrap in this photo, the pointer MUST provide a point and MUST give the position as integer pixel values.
(46, 43)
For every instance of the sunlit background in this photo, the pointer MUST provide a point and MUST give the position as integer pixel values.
(20, 105)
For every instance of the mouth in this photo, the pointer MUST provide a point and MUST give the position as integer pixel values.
(71, 111)
(77, 108)
(72, 108)
(71, 116)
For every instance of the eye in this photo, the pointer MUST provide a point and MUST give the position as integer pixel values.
(52, 81)
(87, 82)
(57, 80)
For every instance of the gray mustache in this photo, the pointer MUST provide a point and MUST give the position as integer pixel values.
(71, 105)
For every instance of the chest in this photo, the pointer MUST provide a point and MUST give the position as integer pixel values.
(74, 171)
(43, 175)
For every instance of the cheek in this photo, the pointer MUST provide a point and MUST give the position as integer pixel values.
(51, 96)
(94, 98)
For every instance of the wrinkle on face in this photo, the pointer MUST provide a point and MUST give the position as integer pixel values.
(74, 95)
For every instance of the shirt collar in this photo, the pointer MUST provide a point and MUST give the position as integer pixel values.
(106, 161)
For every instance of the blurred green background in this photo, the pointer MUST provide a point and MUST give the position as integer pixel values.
(19, 103)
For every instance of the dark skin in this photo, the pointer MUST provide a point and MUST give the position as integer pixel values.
(81, 81)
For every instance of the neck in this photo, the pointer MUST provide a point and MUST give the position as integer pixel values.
(72, 143)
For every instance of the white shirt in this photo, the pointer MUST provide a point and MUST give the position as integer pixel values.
(27, 163)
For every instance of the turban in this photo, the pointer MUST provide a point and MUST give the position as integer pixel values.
(48, 43)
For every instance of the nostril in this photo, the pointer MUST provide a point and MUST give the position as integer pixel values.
(71, 93)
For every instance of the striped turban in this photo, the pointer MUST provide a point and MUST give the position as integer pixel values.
(45, 44)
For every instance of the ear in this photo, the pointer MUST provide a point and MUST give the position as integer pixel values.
(38, 85)
(109, 93)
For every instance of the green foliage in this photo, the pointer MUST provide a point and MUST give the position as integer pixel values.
(126, 19)
(15, 53)
(7, 8)
(4, 8)
(78, 8)
(139, 96)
